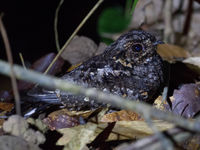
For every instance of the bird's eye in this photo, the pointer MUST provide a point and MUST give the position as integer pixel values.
(137, 47)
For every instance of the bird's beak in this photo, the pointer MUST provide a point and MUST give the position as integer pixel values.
(158, 42)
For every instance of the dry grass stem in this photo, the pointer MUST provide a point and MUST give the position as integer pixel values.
(74, 33)
(10, 60)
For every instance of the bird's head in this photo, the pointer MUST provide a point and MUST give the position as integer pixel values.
(134, 47)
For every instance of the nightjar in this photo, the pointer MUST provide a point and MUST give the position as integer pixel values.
(130, 67)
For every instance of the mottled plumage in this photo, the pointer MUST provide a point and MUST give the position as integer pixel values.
(130, 67)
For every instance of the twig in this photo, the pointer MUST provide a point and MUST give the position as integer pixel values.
(165, 93)
(188, 17)
(10, 60)
(22, 60)
(56, 24)
(169, 32)
(180, 7)
(166, 143)
(114, 100)
(153, 142)
(74, 33)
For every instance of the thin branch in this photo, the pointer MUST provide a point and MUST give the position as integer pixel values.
(180, 7)
(114, 100)
(169, 31)
(166, 143)
(153, 142)
(22, 60)
(56, 24)
(10, 60)
(74, 33)
(188, 18)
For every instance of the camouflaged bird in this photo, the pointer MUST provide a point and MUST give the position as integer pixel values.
(130, 67)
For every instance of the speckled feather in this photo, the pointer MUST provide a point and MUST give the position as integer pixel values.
(121, 70)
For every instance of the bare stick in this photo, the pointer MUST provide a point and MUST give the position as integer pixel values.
(188, 18)
(22, 60)
(166, 143)
(169, 32)
(153, 142)
(56, 24)
(74, 33)
(114, 100)
(10, 60)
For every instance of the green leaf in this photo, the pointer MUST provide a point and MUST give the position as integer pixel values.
(134, 5)
(113, 20)
(106, 40)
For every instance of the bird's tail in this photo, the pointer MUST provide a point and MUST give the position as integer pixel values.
(38, 94)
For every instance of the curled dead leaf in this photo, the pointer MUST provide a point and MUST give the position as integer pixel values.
(186, 100)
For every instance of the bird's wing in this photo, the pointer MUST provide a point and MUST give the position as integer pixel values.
(40, 94)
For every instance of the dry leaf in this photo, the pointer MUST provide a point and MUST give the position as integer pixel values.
(171, 52)
(41, 65)
(16, 143)
(159, 104)
(102, 46)
(122, 130)
(15, 125)
(186, 100)
(76, 138)
(18, 126)
(193, 60)
(61, 119)
(79, 49)
(134, 129)
(146, 11)
(6, 106)
(84, 114)
(192, 143)
(122, 115)
(193, 63)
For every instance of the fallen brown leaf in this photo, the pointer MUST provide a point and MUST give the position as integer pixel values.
(171, 52)
(6, 106)
(79, 49)
(61, 119)
(134, 129)
(159, 104)
(122, 115)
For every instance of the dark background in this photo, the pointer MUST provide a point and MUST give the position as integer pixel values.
(30, 24)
